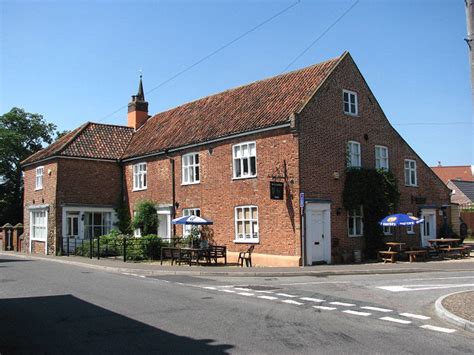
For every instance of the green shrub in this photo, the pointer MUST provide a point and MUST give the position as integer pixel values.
(146, 218)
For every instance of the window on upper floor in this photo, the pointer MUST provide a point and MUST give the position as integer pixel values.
(353, 155)
(190, 168)
(190, 212)
(246, 224)
(381, 157)
(355, 222)
(410, 173)
(245, 160)
(351, 106)
(139, 176)
(39, 178)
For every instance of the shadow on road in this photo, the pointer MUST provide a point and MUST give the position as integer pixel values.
(13, 260)
(66, 324)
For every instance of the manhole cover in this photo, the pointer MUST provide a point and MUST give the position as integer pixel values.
(261, 288)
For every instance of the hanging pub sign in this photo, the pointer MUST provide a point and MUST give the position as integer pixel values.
(276, 190)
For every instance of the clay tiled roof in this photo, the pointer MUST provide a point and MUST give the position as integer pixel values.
(91, 140)
(261, 104)
(445, 173)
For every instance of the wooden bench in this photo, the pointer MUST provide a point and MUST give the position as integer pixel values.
(218, 251)
(388, 256)
(413, 254)
(452, 250)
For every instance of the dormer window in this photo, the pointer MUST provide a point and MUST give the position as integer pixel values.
(39, 178)
(350, 103)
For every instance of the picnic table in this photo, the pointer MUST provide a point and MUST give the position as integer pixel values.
(190, 255)
(448, 246)
(390, 255)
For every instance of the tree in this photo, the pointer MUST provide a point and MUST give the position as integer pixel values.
(21, 134)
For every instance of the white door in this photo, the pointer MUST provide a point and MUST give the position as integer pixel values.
(164, 223)
(72, 231)
(428, 227)
(318, 233)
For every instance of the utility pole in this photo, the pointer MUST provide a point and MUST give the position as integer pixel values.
(470, 39)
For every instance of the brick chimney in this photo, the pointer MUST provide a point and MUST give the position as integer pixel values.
(138, 108)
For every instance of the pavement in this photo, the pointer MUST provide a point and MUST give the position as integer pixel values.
(67, 308)
(456, 308)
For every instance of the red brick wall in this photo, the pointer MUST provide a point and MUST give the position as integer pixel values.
(218, 194)
(70, 181)
(45, 196)
(324, 132)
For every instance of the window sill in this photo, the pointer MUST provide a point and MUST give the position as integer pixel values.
(190, 183)
(355, 236)
(248, 241)
(411, 185)
(411, 233)
(38, 189)
(351, 114)
(142, 189)
(244, 177)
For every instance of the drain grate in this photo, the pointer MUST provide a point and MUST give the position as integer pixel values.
(260, 287)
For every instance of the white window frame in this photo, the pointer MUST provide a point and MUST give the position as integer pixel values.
(105, 227)
(381, 162)
(411, 168)
(354, 215)
(353, 107)
(351, 154)
(43, 226)
(410, 229)
(189, 168)
(254, 236)
(39, 178)
(140, 176)
(190, 212)
(238, 159)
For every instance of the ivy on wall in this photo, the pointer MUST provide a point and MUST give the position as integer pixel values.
(377, 192)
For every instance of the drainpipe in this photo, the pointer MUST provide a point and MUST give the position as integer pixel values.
(173, 192)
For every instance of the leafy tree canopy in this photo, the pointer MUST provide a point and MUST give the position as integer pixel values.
(21, 134)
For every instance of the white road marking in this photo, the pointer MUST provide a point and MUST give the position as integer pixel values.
(260, 291)
(228, 291)
(342, 304)
(316, 283)
(268, 297)
(356, 313)
(438, 329)
(286, 295)
(416, 316)
(406, 288)
(293, 302)
(243, 289)
(142, 276)
(246, 294)
(311, 299)
(440, 278)
(210, 288)
(385, 310)
(325, 308)
(396, 320)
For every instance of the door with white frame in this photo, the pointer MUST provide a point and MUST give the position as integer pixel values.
(164, 222)
(72, 230)
(428, 226)
(318, 233)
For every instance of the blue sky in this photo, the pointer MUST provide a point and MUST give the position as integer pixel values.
(77, 61)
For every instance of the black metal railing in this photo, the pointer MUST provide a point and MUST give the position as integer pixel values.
(127, 248)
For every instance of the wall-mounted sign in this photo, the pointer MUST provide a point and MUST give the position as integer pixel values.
(276, 190)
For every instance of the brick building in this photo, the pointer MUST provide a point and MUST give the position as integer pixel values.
(222, 155)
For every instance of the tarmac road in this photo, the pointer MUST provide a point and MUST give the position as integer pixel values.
(47, 307)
